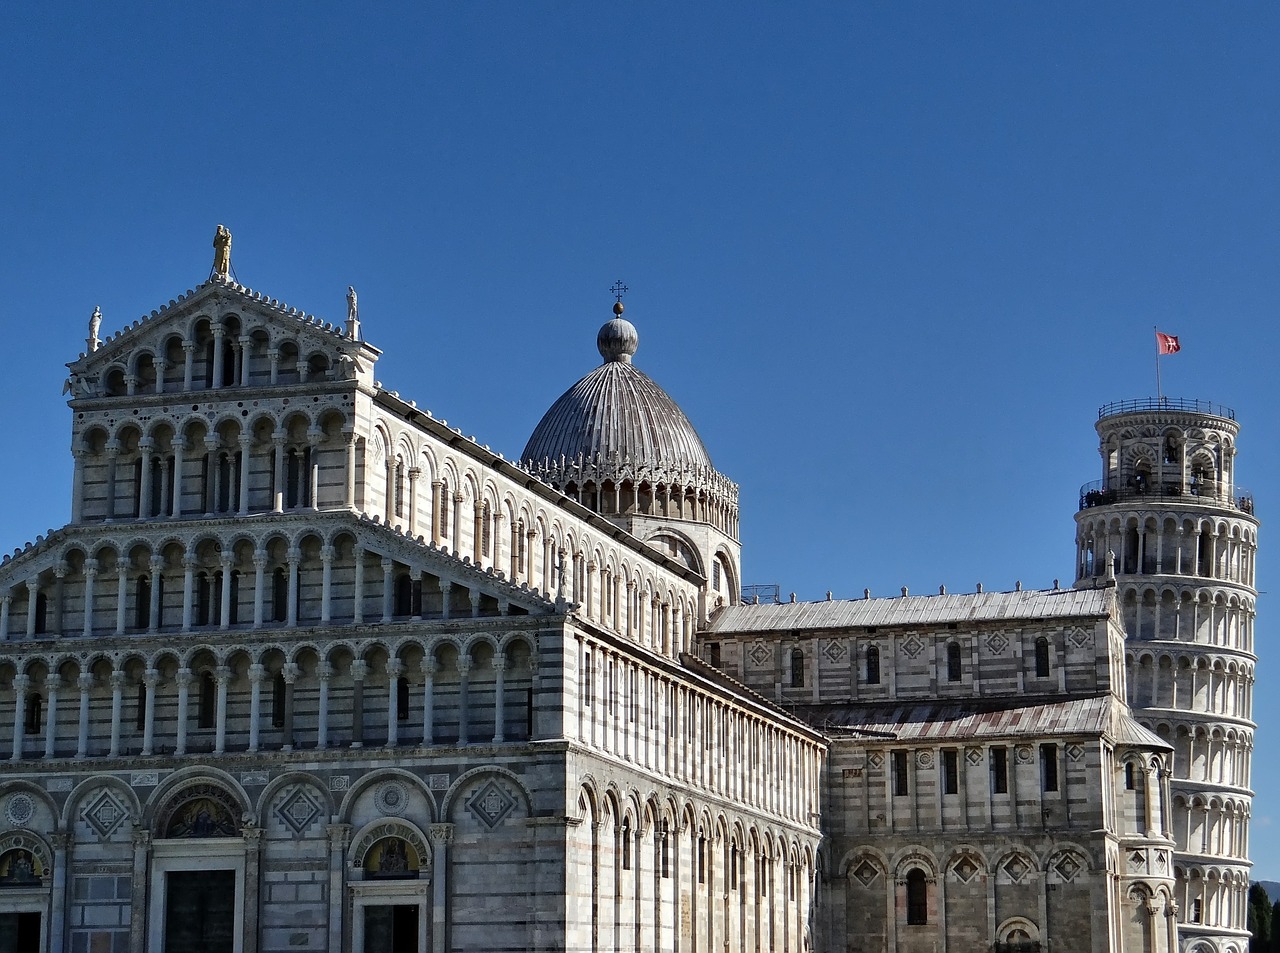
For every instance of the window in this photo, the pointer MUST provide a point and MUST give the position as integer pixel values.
(664, 847)
(141, 722)
(586, 676)
(713, 653)
(202, 599)
(917, 898)
(402, 699)
(142, 604)
(1196, 911)
(208, 701)
(279, 596)
(797, 668)
(900, 774)
(42, 613)
(953, 662)
(486, 531)
(999, 770)
(951, 771)
(1130, 778)
(715, 576)
(444, 510)
(1049, 767)
(702, 859)
(873, 665)
(277, 700)
(233, 610)
(404, 595)
(1042, 657)
(626, 844)
(33, 718)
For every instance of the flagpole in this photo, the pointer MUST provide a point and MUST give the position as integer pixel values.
(1159, 391)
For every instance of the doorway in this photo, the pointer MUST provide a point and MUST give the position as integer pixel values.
(19, 932)
(391, 929)
(199, 915)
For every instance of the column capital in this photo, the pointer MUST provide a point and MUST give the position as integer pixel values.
(359, 669)
(429, 666)
(85, 682)
(324, 671)
(62, 840)
(52, 682)
(464, 664)
(257, 672)
(184, 676)
(499, 662)
(117, 680)
(290, 672)
(395, 668)
(327, 553)
(440, 835)
(222, 674)
(151, 677)
(339, 834)
(22, 682)
(141, 838)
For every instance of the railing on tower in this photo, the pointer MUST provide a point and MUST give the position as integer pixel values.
(768, 594)
(1098, 493)
(1166, 403)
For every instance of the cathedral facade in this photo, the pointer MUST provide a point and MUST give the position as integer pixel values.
(309, 669)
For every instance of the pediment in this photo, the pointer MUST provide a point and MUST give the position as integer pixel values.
(131, 360)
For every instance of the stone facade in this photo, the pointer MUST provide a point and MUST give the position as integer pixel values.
(309, 669)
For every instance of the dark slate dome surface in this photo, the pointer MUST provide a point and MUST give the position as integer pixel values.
(617, 408)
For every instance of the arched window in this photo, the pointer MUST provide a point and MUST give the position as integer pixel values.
(142, 604)
(953, 662)
(278, 689)
(140, 722)
(917, 898)
(626, 843)
(399, 492)
(797, 668)
(873, 665)
(42, 613)
(486, 530)
(279, 596)
(404, 595)
(402, 699)
(1042, 657)
(208, 714)
(444, 501)
(233, 612)
(202, 599)
(1130, 777)
(33, 717)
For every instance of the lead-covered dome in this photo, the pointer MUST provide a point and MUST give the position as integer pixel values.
(617, 412)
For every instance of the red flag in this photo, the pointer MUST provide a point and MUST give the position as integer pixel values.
(1167, 343)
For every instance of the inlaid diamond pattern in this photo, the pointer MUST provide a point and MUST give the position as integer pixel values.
(834, 650)
(1067, 867)
(760, 653)
(974, 756)
(912, 646)
(997, 643)
(104, 814)
(298, 810)
(866, 873)
(491, 805)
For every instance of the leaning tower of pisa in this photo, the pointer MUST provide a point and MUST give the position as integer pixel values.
(1184, 538)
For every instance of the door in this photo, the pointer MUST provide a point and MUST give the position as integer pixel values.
(391, 929)
(19, 932)
(199, 914)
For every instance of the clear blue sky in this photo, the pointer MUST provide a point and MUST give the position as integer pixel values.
(889, 258)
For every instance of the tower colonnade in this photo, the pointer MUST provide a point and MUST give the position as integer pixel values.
(1184, 540)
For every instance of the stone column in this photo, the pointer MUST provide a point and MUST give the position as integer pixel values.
(145, 509)
(290, 677)
(338, 835)
(499, 700)
(326, 584)
(51, 685)
(113, 463)
(395, 668)
(122, 597)
(256, 674)
(277, 501)
(246, 443)
(441, 836)
(458, 499)
(58, 900)
(357, 615)
(188, 590)
(428, 701)
(446, 593)
(33, 592)
(85, 683)
(153, 608)
(212, 489)
(188, 362)
(224, 608)
(222, 676)
(291, 616)
(90, 574)
(219, 332)
(314, 438)
(149, 679)
(117, 703)
(388, 586)
(184, 703)
(359, 669)
(5, 601)
(414, 473)
(273, 356)
(351, 469)
(20, 685)
(259, 585)
(252, 877)
(179, 448)
(323, 674)
(138, 913)
(464, 680)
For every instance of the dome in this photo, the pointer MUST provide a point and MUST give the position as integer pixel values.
(617, 408)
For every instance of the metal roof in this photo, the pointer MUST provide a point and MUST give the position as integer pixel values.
(936, 722)
(617, 409)
(914, 610)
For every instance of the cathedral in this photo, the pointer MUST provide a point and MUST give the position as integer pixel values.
(309, 669)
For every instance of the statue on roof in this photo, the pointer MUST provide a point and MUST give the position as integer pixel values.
(353, 314)
(95, 322)
(222, 252)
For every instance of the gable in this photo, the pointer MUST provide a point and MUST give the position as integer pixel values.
(219, 334)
